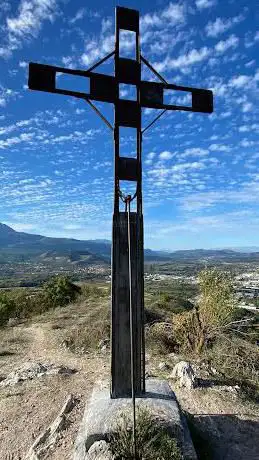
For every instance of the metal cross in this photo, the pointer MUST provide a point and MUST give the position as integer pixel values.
(127, 114)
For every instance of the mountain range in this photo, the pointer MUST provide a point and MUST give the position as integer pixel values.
(20, 246)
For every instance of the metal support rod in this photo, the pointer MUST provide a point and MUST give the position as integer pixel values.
(152, 122)
(100, 62)
(132, 345)
(153, 70)
(99, 113)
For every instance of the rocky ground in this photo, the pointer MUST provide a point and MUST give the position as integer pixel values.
(225, 426)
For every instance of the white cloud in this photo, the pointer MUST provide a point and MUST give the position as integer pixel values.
(247, 107)
(195, 151)
(223, 46)
(27, 23)
(248, 128)
(250, 63)
(186, 60)
(221, 25)
(23, 64)
(78, 16)
(185, 166)
(96, 49)
(219, 148)
(165, 155)
(25, 137)
(21, 227)
(106, 25)
(248, 193)
(174, 13)
(202, 4)
(5, 52)
(6, 94)
(239, 81)
(150, 158)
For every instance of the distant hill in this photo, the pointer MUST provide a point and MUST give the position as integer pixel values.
(24, 246)
(17, 245)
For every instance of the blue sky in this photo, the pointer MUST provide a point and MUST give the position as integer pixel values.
(200, 172)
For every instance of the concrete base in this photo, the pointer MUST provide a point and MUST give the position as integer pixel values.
(102, 413)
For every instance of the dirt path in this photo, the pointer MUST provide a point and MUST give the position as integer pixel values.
(27, 409)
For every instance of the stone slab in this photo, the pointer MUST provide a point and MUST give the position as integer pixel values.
(102, 413)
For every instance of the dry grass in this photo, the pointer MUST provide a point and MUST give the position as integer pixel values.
(91, 331)
(152, 440)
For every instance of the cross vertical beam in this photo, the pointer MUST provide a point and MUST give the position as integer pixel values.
(127, 113)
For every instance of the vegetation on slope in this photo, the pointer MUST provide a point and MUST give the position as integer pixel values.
(20, 304)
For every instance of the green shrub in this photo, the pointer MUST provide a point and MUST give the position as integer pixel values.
(7, 308)
(153, 441)
(217, 303)
(59, 291)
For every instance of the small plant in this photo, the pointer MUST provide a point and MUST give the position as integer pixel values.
(60, 291)
(153, 442)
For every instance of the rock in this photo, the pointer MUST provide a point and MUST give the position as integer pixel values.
(232, 389)
(213, 370)
(149, 374)
(184, 372)
(46, 440)
(104, 344)
(163, 366)
(99, 451)
(172, 356)
(30, 371)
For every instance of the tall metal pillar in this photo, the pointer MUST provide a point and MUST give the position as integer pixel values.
(127, 114)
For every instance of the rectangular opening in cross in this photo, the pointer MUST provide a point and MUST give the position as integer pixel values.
(128, 188)
(179, 98)
(128, 92)
(75, 83)
(127, 44)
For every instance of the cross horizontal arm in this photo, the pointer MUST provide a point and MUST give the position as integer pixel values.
(152, 96)
(43, 78)
(104, 88)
